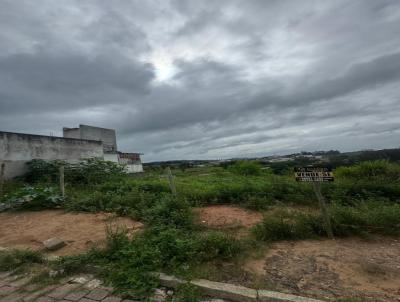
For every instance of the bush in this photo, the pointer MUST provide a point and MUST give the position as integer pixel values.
(286, 226)
(90, 171)
(186, 293)
(218, 245)
(258, 203)
(377, 171)
(33, 198)
(128, 263)
(169, 211)
(15, 259)
(366, 217)
(272, 229)
(246, 167)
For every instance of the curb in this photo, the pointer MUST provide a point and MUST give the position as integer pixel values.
(220, 290)
(232, 292)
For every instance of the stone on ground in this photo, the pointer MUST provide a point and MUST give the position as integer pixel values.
(54, 243)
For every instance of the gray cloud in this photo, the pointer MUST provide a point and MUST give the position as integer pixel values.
(205, 79)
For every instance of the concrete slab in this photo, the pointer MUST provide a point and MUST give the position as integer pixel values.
(226, 291)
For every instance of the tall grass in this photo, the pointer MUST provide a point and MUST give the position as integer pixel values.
(381, 171)
(367, 217)
(364, 199)
(170, 242)
(12, 260)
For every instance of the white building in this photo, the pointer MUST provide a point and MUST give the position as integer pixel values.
(17, 149)
(131, 161)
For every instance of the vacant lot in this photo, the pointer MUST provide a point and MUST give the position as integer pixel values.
(81, 231)
(332, 269)
(239, 224)
(227, 217)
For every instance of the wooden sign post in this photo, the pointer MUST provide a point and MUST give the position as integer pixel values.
(316, 176)
(171, 181)
(2, 168)
(62, 185)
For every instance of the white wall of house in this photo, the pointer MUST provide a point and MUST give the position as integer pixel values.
(111, 157)
(134, 168)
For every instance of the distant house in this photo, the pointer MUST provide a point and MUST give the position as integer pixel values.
(16, 149)
(280, 159)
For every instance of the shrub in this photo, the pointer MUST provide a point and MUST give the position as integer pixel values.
(258, 203)
(245, 167)
(367, 217)
(168, 249)
(285, 226)
(33, 198)
(169, 210)
(128, 263)
(218, 245)
(90, 171)
(14, 259)
(186, 292)
(133, 203)
(273, 228)
(377, 171)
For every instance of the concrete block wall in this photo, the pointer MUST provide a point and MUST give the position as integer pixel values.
(16, 149)
(107, 136)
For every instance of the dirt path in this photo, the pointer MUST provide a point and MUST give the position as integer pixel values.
(79, 230)
(227, 217)
(327, 269)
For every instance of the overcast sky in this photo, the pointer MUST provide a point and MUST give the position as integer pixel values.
(190, 79)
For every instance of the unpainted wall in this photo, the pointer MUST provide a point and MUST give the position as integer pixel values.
(107, 136)
(111, 157)
(16, 149)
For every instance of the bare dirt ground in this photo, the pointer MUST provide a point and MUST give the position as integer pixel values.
(79, 230)
(351, 267)
(227, 217)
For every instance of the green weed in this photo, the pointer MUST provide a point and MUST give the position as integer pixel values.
(246, 167)
(14, 259)
(367, 217)
(186, 293)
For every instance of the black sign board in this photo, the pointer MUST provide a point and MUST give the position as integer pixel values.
(313, 174)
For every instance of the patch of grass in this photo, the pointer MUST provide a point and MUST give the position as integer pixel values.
(186, 293)
(367, 217)
(33, 198)
(13, 260)
(377, 171)
(90, 171)
(169, 243)
(246, 167)
(350, 299)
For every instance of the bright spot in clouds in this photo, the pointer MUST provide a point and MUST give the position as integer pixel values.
(184, 79)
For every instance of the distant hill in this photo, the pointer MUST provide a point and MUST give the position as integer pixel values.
(332, 158)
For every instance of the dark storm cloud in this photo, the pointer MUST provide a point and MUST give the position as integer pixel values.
(186, 79)
(45, 78)
(366, 75)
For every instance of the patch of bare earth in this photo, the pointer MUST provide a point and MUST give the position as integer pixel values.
(332, 269)
(80, 231)
(227, 217)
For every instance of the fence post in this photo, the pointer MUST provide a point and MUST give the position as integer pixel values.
(324, 210)
(62, 185)
(2, 168)
(171, 181)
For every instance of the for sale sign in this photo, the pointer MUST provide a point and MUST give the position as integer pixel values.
(313, 174)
